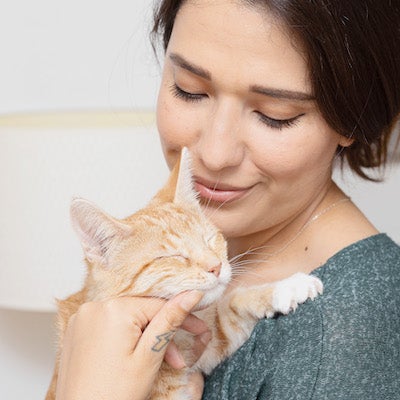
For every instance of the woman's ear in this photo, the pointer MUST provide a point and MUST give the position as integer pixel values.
(345, 141)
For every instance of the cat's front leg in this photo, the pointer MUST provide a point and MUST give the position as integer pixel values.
(278, 297)
(295, 290)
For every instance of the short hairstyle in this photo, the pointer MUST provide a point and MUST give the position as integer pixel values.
(353, 54)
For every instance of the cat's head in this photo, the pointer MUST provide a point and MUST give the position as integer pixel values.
(164, 249)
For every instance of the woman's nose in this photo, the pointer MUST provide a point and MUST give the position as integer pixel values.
(220, 144)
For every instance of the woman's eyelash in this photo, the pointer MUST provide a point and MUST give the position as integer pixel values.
(278, 123)
(270, 122)
(182, 94)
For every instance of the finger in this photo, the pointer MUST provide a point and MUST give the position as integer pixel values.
(194, 325)
(174, 357)
(199, 345)
(160, 331)
(201, 336)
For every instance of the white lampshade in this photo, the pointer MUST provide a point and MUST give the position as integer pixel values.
(113, 159)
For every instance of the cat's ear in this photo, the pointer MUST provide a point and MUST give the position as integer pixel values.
(185, 193)
(96, 230)
(179, 187)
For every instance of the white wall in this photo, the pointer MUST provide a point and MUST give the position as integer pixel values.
(69, 54)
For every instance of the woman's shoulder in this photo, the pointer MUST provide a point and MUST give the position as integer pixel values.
(360, 302)
(373, 260)
(361, 289)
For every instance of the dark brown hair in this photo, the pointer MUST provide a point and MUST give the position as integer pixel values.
(353, 51)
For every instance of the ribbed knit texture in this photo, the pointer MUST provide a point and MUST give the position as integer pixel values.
(345, 345)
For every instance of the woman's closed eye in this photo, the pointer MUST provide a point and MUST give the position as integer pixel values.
(273, 123)
(186, 96)
(277, 123)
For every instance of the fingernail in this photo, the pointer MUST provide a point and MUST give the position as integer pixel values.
(190, 299)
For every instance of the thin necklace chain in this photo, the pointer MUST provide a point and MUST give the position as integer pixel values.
(307, 224)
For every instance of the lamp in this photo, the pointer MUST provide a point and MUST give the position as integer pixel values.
(113, 159)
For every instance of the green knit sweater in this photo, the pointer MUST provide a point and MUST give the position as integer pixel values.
(345, 345)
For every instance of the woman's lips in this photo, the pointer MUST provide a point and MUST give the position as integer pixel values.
(218, 193)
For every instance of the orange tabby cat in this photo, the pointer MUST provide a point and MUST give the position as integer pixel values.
(164, 249)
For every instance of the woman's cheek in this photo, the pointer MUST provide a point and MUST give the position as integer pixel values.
(178, 125)
(170, 128)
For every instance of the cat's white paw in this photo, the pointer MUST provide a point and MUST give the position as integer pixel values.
(296, 289)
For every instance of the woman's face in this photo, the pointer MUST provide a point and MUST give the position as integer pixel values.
(235, 91)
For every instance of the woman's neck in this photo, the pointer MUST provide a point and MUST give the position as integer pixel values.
(300, 243)
(274, 238)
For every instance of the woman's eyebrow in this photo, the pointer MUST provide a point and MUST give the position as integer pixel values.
(280, 94)
(181, 62)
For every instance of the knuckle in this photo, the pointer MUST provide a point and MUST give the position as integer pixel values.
(99, 310)
(110, 307)
(86, 309)
(175, 316)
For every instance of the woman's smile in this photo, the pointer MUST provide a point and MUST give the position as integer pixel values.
(220, 192)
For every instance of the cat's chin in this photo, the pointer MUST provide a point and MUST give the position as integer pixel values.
(210, 297)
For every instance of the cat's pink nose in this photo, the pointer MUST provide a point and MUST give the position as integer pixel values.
(216, 269)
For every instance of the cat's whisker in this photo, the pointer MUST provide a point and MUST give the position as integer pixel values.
(220, 206)
(250, 251)
(248, 262)
(248, 273)
(242, 269)
(234, 260)
(236, 278)
(209, 199)
(214, 211)
(245, 272)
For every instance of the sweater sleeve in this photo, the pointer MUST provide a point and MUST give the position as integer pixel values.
(345, 345)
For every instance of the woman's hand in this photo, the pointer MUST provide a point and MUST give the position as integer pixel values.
(114, 349)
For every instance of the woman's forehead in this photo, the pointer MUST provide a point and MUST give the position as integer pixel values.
(239, 43)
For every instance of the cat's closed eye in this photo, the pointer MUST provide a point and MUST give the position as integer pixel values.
(179, 257)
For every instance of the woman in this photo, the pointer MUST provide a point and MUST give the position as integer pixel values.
(267, 95)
